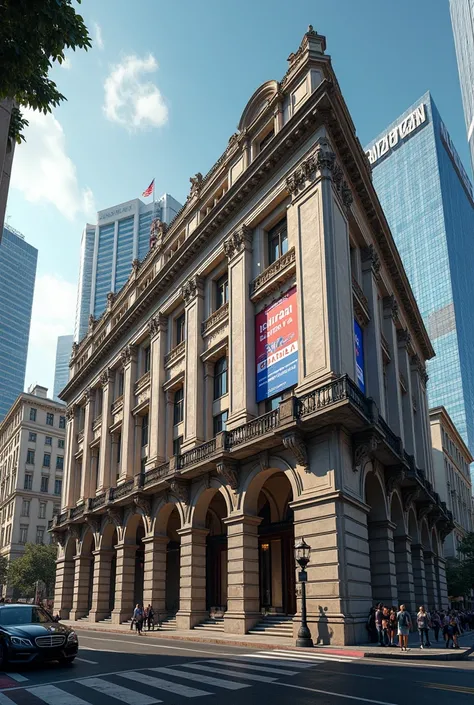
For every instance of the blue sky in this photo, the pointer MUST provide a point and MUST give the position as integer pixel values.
(162, 90)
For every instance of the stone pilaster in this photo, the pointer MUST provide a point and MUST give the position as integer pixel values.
(382, 562)
(394, 395)
(242, 400)
(157, 424)
(87, 482)
(418, 562)
(124, 583)
(80, 599)
(114, 463)
(404, 568)
(105, 479)
(101, 585)
(64, 587)
(208, 399)
(431, 581)
(70, 495)
(154, 585)
(192, 583)
(440, 566)
(403, 340)
(193, 295)
(94, 481)
(129, 361)
(422, 448)
(243, 593)
(372, 332)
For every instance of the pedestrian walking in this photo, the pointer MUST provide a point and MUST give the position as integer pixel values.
(370, 626)
(404, 626)
(436, 624)
(138, 618)
(386, 626)
(378, 623)
(150, 618)
(392, 626)
(451, 633)
(423, 624)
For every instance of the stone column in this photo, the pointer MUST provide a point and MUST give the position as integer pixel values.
(154, 585)
(418, 563)
(64, 587)
(114, 465)
(431, 581)
(87, 483)
(242, 373)
(94, 480)
(157, 422)
(403, 340)
(421, 430)
(193, 295)
(243, 590)
(394, 394)
(404, 572)
(105, 478)
(101, 585)
(372, 337)
(382, 562)
(440, 566)
(80, 598)
(125, 583)
(70, 495)
(208, 399)
(129, 361)
(169, 423)
(192, 583)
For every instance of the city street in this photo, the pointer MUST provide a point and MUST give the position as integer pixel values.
(146, 670)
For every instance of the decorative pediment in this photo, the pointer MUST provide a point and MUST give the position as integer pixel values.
(257, 103)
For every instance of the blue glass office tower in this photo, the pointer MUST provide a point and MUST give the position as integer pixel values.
(462, 18)
(428, 201)
(108, 249)
(61, 367)
(17, 283)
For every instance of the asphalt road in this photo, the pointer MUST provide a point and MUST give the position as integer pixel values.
(124, 668)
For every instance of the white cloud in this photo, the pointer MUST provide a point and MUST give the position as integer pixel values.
(43, 171)
(54, 305)
(98, 36)
(132, 101)
(66, 63)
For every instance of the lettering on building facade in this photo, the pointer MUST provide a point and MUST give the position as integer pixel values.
(405, 127)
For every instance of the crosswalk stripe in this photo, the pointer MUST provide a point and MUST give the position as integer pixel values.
(307, 658)
(218, 682)
(54, 696)
(176, 688)
(251, 667)
(274, 661)
(305, 654)
(131, 697)
(5, 701)
(17, 677)
(246, 676)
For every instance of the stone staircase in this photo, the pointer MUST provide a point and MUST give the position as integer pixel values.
(279, 625)
(83, 619)
(211, 625)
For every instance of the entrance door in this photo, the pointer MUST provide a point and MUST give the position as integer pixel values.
(216, 572)
(91, 584)
(139, 575)
(113, 576)
(172, 577)
(277, 575)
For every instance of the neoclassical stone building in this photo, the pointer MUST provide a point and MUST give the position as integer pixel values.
(259, 378)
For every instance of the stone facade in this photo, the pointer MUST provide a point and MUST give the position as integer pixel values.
(185, 491)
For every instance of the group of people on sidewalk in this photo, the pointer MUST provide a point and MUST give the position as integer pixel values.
(384, 624)
(143, 617)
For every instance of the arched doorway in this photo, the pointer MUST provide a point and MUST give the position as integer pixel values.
(216, 556)
(381, 545)
(139, 565)
(172, 563)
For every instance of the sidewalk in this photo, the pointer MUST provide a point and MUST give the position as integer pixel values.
(435, 653)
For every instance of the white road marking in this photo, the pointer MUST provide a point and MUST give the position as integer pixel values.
(245, 676)
(314, 654)
(54, 696)
(107, 651)
(86, 660)
(273, 661)
(336, 695)
(176, 688)
(218, 682)
(251, 667)
(291, 656)
(166, 647)
(131, 697)
(17, 677)
(5, 701)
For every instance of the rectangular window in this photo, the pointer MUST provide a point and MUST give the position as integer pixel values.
(62, 422)
(48, 441)
(32, 414)
(147, 359)
(60, 442)
(177, 443)
(273, 403)
(28, 483)
(222, 291)
(220, 421)
(277, 241)
(23, 533)
(142, 465)
(49, 419)
(119, 447)
(178, 411)
(30, 457)
(58, 486)
(44, 483)
(220, 378)
(32, 437)
(145, 430)
(180, 326)
(25, 508)
(120, 383)
(42, 510)
(47, 460)
(59, 462)
(40, 534)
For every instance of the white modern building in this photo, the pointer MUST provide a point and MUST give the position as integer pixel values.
(61, 367)
(32, 437)
(108, 248)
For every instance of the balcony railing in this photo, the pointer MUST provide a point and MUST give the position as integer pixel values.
(117, 404)
(96, 424)
(123, 490)
(142, 382)
(77, 511)
(332, 393)
(156, 474)
(175, 353)
(218, 316)
(98, 501)
(277, 272)
(254, 429)
(391, 438)
(196, 455)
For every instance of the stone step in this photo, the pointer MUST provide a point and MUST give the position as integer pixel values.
(279, 625)
(213, 624)
(285, 634)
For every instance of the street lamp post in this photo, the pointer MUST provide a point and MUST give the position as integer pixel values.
(302, 554)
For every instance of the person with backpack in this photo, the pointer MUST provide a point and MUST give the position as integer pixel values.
(423, 624)
(404, 626)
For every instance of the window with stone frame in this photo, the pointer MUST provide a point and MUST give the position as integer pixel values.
(30, 457)
(178, 406)
(177, 443)
(220, 378)
(180, 328)
(28, 482)
(146, 359)
(62, 422)
(277, 241)
(145, 430)
(44, 483)
(220, 421)
(32, 414)
(49, 419)
(40, 534)
(23, 533)
(222, 291)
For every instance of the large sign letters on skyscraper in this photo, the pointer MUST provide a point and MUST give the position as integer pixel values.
(400, 132)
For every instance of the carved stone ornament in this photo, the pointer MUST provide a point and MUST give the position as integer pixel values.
(410, 497)
(75, 531)
(394, 479)
(424, 510)
(59, 537)
(91, 323)
(88, 395)
(127, 354)
(143, 504)
(264, 460)
(180, 489)
(110, 300)
(363, 452)
(191, 288)
(74, 349)
(135, 265)
(158, 230)
(236, 241)
(93, 523)
(196, 185)
(403, 337)
(227, 470)
(369, 254)
(105, 377)
(390, 304)
(115, 516)
(70, 412)
(157, 324)
(295, 444)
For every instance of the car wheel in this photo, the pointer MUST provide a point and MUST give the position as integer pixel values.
(66, 661)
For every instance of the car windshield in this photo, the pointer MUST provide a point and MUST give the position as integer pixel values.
(23, 615)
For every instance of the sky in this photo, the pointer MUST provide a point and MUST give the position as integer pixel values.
(162, 90)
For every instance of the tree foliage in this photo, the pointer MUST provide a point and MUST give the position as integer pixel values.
(33, 35)
(38, 563)
(460, 571)
(3, 569)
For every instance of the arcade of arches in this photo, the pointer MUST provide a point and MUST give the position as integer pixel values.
(212, 549)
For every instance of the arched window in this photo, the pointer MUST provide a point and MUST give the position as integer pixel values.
(220, 378)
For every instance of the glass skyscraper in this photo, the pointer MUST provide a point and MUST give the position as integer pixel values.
(61, 367)
(108, 249)
(462, 18)
(428, 201)
(17, 283)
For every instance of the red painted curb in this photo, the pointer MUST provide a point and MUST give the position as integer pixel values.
(7, 682)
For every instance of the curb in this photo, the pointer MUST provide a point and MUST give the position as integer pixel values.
(456, 656)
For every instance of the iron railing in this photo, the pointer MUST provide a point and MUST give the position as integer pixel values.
(198, 454)
(254, 429)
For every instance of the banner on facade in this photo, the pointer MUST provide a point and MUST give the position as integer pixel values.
(359, 356)
(276, 346)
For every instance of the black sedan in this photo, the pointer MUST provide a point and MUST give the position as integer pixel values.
(29, 634)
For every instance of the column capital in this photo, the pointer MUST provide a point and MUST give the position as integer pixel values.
(71, 412)
(403, 338)
(88, 396)
(370, 260)
(238, 241)
(390, 307)
(106, 377)
(128, 354)
(192, 288)
(157, 324)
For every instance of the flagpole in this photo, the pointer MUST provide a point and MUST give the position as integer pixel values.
(154, 207)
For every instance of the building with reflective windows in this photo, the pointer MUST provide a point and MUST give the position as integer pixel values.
(462, 19)
(61, 367)
(122, 235)
(17, 283)
(259, 378)
(428, 201)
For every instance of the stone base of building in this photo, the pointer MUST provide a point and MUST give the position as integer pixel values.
(187, 620)
(238, 623)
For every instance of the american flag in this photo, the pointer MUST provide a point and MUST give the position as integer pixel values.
(149, 190)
